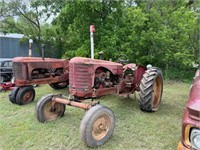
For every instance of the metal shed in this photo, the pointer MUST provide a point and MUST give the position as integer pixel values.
(10, 46)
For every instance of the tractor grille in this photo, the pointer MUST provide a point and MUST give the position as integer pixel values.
(17, 70)
(79, 77)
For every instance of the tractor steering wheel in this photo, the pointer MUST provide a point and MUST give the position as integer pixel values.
(123, 59)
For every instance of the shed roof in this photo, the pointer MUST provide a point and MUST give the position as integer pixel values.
(12, 35)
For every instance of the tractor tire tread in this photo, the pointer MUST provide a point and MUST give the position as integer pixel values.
(146, 88)
(39, 107)
(20, 93)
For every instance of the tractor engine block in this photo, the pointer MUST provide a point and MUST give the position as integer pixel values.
(104, 79)
(39, 73)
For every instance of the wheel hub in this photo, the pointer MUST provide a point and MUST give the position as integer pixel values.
(27, 97)
(52, 112)
(157, 89)
(101, 127)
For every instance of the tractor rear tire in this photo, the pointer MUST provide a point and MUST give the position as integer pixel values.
(97, 126)
(59, 85)
(13, 94)
(25, 95)
(45, 111)
(151, 88)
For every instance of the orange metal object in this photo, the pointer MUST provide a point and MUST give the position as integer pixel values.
(72, 103)
(181, 147)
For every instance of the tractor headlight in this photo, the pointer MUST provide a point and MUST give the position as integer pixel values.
(195, 138)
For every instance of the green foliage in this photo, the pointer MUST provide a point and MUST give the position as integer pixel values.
(185, 74)
(161, 33)
(29, 18)
(75, 19)
(155, 32)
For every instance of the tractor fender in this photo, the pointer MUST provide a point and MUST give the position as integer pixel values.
(138, 74)
(129, 66)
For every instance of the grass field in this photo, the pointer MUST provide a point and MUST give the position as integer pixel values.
(134, 130)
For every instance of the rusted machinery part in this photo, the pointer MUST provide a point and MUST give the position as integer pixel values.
(59, 85)
(46, 109)
(73, 103)
(97, 126)
(151, 89)
(25, 95)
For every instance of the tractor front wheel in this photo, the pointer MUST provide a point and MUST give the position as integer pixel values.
(97, 126)
(25, 95)
(46, 111)
(151, 88)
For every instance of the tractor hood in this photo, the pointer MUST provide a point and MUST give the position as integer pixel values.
(93, 61)
(193, 104)
(35, 59)
(115, 68)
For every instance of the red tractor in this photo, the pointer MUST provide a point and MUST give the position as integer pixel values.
(28, 71)
(91, 79)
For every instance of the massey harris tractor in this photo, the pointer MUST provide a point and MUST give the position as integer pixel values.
(91, 79)
(28, 71)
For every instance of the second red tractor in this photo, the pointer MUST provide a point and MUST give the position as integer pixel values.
(28, 71)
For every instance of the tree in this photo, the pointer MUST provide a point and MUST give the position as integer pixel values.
(167, 32)
(75, 19)
(31, 19)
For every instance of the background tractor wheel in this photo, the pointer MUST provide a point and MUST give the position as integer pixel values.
(45, 111)
(13, 94)
(25, 95)
(97, 125)
(151, 88)
(60, 85)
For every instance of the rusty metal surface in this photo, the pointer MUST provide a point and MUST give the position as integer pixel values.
(129, 66)
(82, 75)
(182, 147)
(90, 78)
(101, 127)
(35, 70)
(138, 74)
(191, 117)
(72, 103)
(115, 68)
(35, 59)
(53, 110)
(187, 124)
(193, 104)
